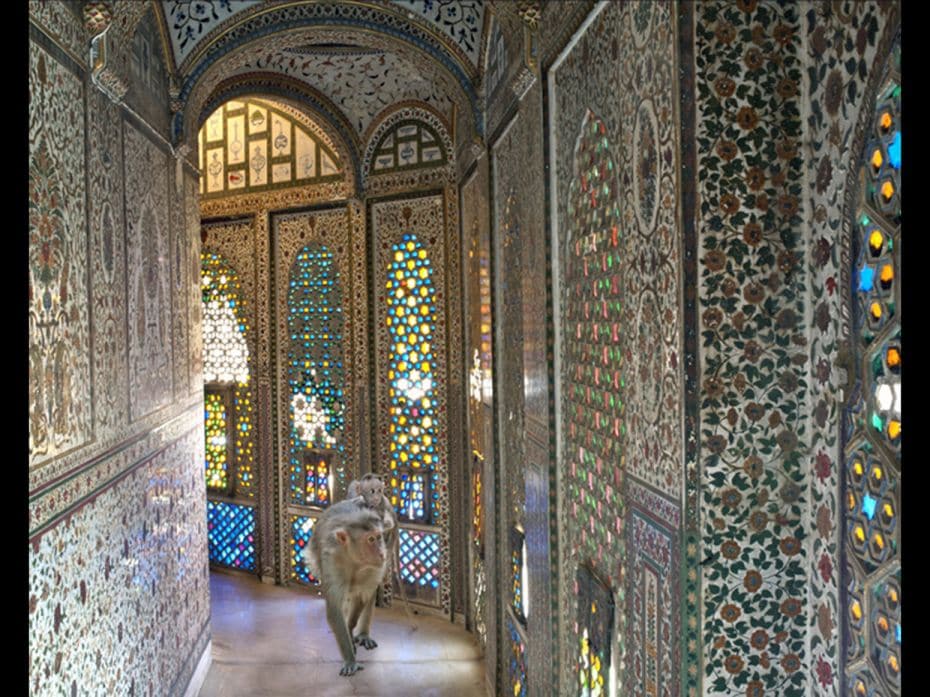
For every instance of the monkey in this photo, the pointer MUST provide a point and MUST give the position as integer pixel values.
(370, 489)
(347, 554)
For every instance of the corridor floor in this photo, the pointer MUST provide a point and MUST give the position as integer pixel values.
(271, 641)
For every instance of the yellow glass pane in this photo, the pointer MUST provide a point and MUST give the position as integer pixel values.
(877, 473)
(888, 510)
(857, 468)
(856, 610)
(878, 540)
(886, 121)
(877, 159)
(882, 624)
(875, 309)
(887, 190)
(894, 429)
(893, 357)
(893, 663)
(887, 273)
(859, 533)
(876, 239)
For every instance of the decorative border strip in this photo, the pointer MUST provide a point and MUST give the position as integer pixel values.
(690, 581)
(60, 503)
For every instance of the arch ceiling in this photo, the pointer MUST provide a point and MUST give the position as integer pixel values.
(362, 56)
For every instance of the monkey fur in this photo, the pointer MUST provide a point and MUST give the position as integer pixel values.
(370, 489)
(348, 555)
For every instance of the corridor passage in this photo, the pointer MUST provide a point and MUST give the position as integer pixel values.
(271, 641)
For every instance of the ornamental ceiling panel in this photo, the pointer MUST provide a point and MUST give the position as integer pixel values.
(192, 25)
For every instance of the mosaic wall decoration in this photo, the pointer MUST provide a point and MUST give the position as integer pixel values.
(752, 299)
(301, 530)
(59, 321)
(462, 21)
(108, 270)
(595, 619)
(150, 329)
(255, 145)
(231, 534)
(410, 144)
(872, 469)
(409, 259)
(519, 593)
(227, 358)
(141, 63)
(217, 436)
(190, 23)
(497, 59)
(119, 591)
(315, 375)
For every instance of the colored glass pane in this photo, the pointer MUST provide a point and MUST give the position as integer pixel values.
(595, 617)
(315, 373)
(410, 316)
(215, 427)
(419, 558)
(301, 530)
(231, 534)
(517, 664)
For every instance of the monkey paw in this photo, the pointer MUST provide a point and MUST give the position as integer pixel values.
(366, 641)
(350, 668)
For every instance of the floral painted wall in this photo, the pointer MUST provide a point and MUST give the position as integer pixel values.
(119, 595)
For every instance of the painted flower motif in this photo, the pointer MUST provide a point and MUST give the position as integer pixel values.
(786, 88)
(730, 613)
(730, 549)
(752, 581)
(729, 287)
(739, 382)
(752, 233)
(819, 41)
(790, 492)
(754, 688)
(753, 466)
(755, 178)
(747, 118)
(788, 381)
(712, 318)
(833, 93)
(862, 40)
(791, 662)
(825, 566)
(787, 205)
(773, 282)
(787, 441)
(715, 260)
(822, 316)
(716, 444)
(790, 607)
(783, 34)
(733, 664)
(762, 202)
(821, 413)
(786, 319)
(753, 59)
(822, 466)
(729, 204)
(759, 639)
(724, 86)
(732, 416)
(758, 520)
(725, 32)
(825, 620)
(824, 672)
(747, 6)
(764, 659)
(824, 174)
(738, 319)
(774, 419)
(713, 387)
(727, 150)
(790, 545)
(786, 261)
(824, 521)
(752, 351)
(823, 371)
(754, 411)
(753, 293)
(758, 35)
(731, 498)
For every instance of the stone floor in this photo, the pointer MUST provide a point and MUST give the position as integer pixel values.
(272, 641)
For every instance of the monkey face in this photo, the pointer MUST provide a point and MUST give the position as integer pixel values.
(371, 545)
(373, 492)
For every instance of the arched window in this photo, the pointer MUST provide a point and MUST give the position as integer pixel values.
(872, 475)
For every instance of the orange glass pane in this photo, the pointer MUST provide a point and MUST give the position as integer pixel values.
(878, 541)
(887, 190)
(893, 663)
(856, 610)
(885, 121)
(893, 357)
(876, 310)
(877, 159)
(887, 273)
(894, 429)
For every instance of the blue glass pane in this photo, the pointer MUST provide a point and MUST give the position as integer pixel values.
(894, 151)
(868, 506)
(231, 534)
(866, 279)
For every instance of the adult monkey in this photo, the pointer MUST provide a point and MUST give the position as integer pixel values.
(348, 556)
(370, 489)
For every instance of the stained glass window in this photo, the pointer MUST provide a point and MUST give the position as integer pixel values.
(301, 530)
(231, 534)
(409, 144)
(419, 558)
(226, 363)
(872, 471)
(315, 374)
(595, 622)
(410, 316)
(477, 523)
